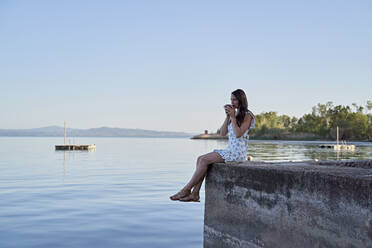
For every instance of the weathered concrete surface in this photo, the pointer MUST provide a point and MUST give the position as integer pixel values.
(302, 204)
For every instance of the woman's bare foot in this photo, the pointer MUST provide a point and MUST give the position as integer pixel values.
(193, 197)
(182, 193)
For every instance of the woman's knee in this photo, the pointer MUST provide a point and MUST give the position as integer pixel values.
(203, 161)
(199, 158)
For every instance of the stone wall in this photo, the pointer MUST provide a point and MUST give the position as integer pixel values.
(301, 204)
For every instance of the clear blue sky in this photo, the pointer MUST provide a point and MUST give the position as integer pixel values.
(171, 65)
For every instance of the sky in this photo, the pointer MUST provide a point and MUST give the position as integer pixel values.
(172, 65)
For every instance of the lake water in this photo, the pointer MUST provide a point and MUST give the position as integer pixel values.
(118, 195)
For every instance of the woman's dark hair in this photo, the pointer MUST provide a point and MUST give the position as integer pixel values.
(243, 105)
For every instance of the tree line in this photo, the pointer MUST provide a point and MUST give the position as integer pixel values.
(355, 123)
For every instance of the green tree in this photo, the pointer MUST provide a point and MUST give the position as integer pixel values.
(322, 122)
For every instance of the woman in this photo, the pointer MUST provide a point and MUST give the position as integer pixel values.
(237, 124)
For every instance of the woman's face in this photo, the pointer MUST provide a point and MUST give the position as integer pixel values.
(234, 101)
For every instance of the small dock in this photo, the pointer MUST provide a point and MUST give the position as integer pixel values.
(70, 147)
(338, 147)
(75, 147)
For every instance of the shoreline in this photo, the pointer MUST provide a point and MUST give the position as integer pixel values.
(219, 137)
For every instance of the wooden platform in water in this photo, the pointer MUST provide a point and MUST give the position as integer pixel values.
(76, 147)
(338, 147)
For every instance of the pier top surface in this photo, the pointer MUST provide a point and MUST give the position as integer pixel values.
(361, 169)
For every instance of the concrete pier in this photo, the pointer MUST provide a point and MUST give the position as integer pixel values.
(301, 204)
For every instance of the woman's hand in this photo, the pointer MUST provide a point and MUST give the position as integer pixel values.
(230, 111)
(226, 109)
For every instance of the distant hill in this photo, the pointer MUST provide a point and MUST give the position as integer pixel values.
(57, 131)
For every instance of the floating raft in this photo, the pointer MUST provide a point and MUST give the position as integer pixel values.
(338, 147)
(76, 147)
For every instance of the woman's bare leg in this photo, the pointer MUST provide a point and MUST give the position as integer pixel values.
(197, 187)
(201, 169)
(199, 174)
(194, 195)
(184, 193)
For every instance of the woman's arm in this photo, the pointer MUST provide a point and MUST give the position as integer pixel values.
(239, 131)
(223, 130)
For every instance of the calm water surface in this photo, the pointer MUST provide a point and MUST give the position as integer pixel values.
(116, 196)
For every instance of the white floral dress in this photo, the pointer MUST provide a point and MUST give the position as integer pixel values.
(237, 148)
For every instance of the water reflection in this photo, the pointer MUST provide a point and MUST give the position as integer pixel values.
(64, 164)
(117, 195)
(298, 151)
(330, 154)
(273, 150)
(72, 156)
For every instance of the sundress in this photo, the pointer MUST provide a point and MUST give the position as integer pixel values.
(237, 148)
